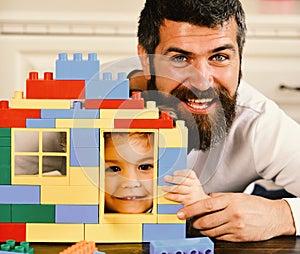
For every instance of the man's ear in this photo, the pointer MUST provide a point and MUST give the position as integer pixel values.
(144, 59)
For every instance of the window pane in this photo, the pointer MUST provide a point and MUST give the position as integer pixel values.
(26, 165)
(26, 141)
(54, 165)
(54, 141)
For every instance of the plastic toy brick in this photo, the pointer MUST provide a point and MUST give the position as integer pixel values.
(70, 195)
(5, 132)
(170, 159)
(11, 247)
(76, 214)
(5, 213)
(88, 137)
(48, 232)
(107, 88)
(201, 245)
(77, 68)
(16, 194)
(16, 231)
(10, 117)
(5, 141)
(118, 218)
(135, 102)
(5, 166)
(48, 88)
(76, 112)
(18, 101)
(84, 176)
(168, 209)
(40, 123)
(84, 123)
(84, 156)
(82, 247)
(153, 232)
(169, 219)
(33, 213)
(175, 137)
(165, 121)
(113, 233)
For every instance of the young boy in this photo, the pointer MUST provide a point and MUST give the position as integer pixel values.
(129, 163)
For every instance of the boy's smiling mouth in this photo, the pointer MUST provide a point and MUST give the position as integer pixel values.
(130, 197)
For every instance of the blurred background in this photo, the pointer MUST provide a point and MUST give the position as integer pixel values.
(33, 32)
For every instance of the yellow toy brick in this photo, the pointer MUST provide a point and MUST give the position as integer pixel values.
(52, 232)
(84, 176)
(176, 137)
(19, 102)
(119, 218)
(114, 233)
(130, 113)
(169, 219)
(69, 195)
(84, 123)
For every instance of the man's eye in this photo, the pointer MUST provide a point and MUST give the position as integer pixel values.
(145, 167)
(112, 169)
(219, 58)
(179, 60)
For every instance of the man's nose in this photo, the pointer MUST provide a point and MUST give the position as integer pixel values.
(199, 76)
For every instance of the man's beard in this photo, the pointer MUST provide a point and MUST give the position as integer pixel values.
(205, 130)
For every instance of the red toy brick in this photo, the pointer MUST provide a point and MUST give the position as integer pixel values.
(16, 231)
(15, 118)
(48, 88)
(136, 102)
(165, 121)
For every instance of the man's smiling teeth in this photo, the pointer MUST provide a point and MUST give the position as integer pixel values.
(199, 103)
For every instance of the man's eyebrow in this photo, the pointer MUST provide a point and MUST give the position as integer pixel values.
(224, 47)
(178, 50)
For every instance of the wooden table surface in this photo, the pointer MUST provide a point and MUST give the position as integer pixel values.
(280, 245)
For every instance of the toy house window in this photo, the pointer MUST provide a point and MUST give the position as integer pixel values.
(40, 152)
(129, 171)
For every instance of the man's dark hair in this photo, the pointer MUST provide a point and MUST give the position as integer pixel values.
(209, 13)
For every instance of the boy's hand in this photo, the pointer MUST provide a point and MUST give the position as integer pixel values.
(186, 189)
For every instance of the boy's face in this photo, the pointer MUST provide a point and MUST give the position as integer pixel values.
(128, 174)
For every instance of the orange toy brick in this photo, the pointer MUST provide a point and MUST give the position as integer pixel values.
(48, 88)
(82, 247)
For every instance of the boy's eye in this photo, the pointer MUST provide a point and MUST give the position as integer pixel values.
(113, 169)
(145, 167)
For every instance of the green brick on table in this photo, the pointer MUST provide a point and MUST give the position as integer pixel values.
(5, 132)
(33, 213)
(5, 165)
(5, 213)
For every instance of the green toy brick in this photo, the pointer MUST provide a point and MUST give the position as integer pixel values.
(5, 142)
(5, 132)
(5, 213)
(5, 165)
(33, 213)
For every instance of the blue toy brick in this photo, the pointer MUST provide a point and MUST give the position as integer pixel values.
(77, 112)
(87, 137)
(84, 156)
(153, 232)
(77, 69)
(5, 165)
(98, 252)
(108, 88)
(40, 123)
(170, 160)
(19, 194)
(76, 214)
(5, 213)
(168, 208)
(202, 245)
